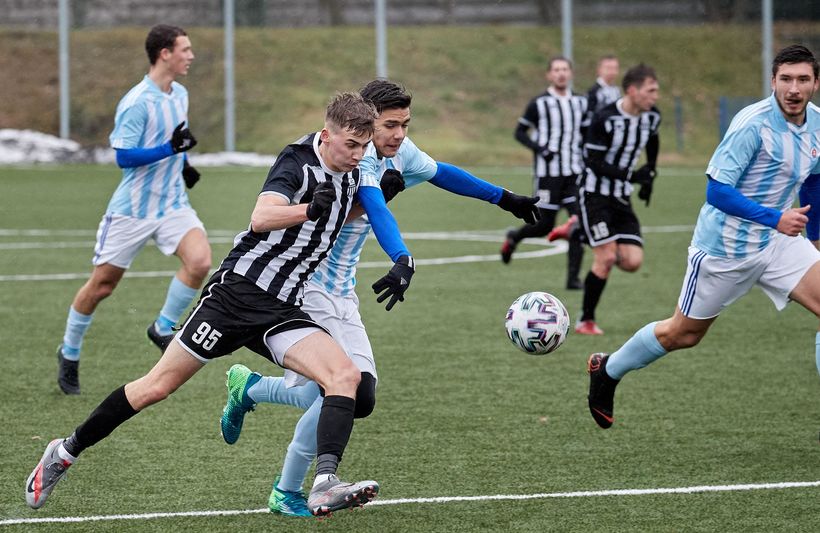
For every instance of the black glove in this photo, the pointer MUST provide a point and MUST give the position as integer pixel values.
(547, 154)
(182, 140)
(645, 174)
(521, 206)
(395, 282)
(392, 183)
(324, 195)
(189, 174)
(646, 192)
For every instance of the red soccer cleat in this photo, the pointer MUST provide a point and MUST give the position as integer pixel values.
(563, 231)
(588, 327)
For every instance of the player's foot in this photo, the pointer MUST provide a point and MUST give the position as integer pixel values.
(508, 247)
(564, 230)
(588, 327)
(574, 284)
(51, 469)
(601, 390)
(240, 379)
(334, 494)
(68, 373)
(162, 341)
(287, 502)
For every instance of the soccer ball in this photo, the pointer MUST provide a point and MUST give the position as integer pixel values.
(537, 323)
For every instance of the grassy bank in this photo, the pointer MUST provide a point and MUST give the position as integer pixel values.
(470, 83)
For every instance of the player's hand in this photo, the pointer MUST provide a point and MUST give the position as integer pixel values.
(646, 192)
(394, 284)
(182, 139)
(792, 221)
(521, 206)
(323, 197)
(392, 183)
(547, 154)
(189, 174)
(645, 174)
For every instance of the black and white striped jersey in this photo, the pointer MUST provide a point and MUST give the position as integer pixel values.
(612, 147)
(601, 95)
(281, 261)
(554, 124)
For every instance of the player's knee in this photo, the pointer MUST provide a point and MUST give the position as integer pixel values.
(345, 377)
(365, 396)
(629, 265)
(199, 267)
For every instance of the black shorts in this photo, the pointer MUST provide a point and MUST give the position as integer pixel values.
(233, 312)
(609, 219)
(555, 193)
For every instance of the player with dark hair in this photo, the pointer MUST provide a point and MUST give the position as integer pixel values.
(747, 232)
(393, 162)
(614, 141)
(254, 300)
(551, 128)
(150, 137)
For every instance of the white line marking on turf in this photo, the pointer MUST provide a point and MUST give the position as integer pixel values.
(224, 236)
(440, 499)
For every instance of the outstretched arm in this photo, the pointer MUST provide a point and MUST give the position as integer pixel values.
(384, 223)
(729, 200)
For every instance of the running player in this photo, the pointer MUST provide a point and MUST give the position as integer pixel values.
(747, 232)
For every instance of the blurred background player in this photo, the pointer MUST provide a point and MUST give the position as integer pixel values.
(551, 128)
(392, 161)
(605, 90)
(747, 232)
(254, 300)
(614, 141)
(149, 137)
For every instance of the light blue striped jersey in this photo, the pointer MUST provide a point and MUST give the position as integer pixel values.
(767, 159)
(337, 273)
(146, 117)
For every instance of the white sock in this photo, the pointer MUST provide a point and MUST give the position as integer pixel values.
(64, 455)
(321, 478)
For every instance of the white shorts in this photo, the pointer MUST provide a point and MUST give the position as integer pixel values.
(713, 283)
(340, 315)
(120, 237)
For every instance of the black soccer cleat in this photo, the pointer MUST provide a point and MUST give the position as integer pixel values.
(68, 373)
(574, 284)
(601, 390)
(162, 341)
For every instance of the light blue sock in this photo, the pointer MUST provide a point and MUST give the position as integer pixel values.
(271, 389)
(817, 351)
(75, 327)
(302, 449)
(639, 351)
(177, 300)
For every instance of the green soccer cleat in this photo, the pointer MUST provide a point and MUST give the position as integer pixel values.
(286, 502)
(240, 379)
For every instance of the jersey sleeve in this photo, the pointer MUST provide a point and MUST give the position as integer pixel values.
(286, 178)
(370, 168)
(598, 135)
(417, 165)
(733, 155)
(530, 116)
(129, 127)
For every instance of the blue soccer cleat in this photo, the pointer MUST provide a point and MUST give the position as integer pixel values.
(288, 503)
(240, 379)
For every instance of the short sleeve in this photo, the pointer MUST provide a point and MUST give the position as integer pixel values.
(369, 168)
(418, 166)
(734, 154)
(129, 127)
(286, 177)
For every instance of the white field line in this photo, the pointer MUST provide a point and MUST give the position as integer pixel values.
(441, 499)
(222, 237)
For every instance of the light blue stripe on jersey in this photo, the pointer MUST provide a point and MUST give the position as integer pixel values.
(337, 273)
(145, 118)
(766, 159)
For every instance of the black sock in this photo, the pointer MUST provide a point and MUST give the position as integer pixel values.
(333, 432)
(112, 412)
(575, 255)
(593, 287)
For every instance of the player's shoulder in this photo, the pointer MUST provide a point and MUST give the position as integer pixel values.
(299, 151)
(178, 90)
(813, 116)
(752, 116)
(135, 96)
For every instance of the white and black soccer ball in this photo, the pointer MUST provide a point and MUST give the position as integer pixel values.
(537, 323)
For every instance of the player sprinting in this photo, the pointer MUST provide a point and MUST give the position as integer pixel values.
(254, 298)
(394, 160)
(612, 146)
(150, 137)
(551, 128)
(747, 233)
